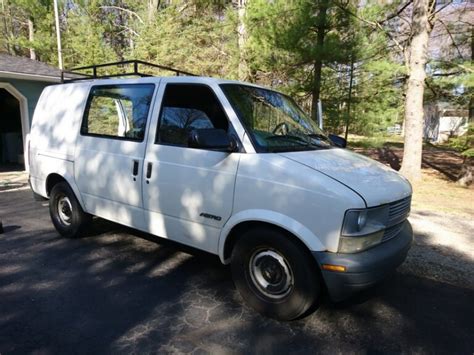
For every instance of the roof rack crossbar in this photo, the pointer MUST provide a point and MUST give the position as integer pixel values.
(135, 72)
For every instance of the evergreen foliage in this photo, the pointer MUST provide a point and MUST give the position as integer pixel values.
(308, 49)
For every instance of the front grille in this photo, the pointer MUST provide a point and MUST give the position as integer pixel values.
(399, 211)
(392, 232)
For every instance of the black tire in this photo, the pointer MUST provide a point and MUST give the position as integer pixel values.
(264, 249)
(70, 220)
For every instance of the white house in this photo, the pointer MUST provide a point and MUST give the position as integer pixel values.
(443, 121)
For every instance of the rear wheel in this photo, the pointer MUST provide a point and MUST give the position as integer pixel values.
(274, 274)
(66, 213)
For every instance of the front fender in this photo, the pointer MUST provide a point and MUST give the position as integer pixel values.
(258, 215)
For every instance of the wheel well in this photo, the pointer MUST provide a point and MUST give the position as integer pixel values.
(52, 180)
(237, 231)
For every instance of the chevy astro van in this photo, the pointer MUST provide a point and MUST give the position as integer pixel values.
(228, 167)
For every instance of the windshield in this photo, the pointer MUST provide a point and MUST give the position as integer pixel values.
(274, 121)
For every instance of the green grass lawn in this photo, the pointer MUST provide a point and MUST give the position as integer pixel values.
(377, 141)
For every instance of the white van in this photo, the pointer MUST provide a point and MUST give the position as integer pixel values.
(228, 167)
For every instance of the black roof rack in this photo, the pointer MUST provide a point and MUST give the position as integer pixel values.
(78, 74)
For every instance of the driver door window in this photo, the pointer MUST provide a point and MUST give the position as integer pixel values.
(186, 107)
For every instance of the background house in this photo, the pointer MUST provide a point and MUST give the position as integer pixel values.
(21, 82)
(443, 121)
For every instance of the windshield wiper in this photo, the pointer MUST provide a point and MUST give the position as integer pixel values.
(290, 138)
(305, 142)
(319, 136)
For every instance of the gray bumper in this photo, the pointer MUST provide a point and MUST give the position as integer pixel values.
(365, 268)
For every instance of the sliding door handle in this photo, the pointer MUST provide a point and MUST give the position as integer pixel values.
(149, 168)
(135, 168)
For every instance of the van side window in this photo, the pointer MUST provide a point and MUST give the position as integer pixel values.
(118, 111)
(186, 107)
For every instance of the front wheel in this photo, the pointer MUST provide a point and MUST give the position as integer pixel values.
(66, 213)
(274, 274)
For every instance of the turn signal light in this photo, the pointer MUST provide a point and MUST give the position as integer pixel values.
(330, 267)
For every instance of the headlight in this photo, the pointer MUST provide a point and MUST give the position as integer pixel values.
(363, 229)
(361, 220)
(357, 244)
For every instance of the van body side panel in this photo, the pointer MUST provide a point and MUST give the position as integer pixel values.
(189, 195)
(56, 121)
(104, 168)
(63, 168)
(295, 197)
(104, 175)
(127, 215)
(194, 234)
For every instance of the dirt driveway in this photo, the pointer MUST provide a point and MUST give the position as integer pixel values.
(115, 292)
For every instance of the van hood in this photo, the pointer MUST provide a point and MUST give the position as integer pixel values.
(376, 183)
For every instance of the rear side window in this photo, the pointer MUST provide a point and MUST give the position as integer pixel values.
(118, 111)
(186, 107)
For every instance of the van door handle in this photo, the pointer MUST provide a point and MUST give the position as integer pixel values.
(135, 168)
(148, 170)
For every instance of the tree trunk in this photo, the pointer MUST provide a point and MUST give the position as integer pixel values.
(58, 35)
(321, 25)
(6, 33)
(411, 164)
(243, 71)
(152, 9)
(31, 37)
(349, 99)
(466, 176)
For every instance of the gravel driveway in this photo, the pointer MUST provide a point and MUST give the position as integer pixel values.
(443, 250)
(118, 291)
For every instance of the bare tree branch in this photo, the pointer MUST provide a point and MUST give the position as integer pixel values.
(398, 12)
(126, 28)
(122, 9)
(376, 24)
(452, 38)
(447, 74)
(434, 15)
(428, 85)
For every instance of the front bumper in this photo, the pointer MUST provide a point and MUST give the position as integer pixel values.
(365, 268)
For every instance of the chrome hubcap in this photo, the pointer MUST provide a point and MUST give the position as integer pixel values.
(65, 210)
(271, 273)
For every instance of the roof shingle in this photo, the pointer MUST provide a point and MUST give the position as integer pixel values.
(22, 65)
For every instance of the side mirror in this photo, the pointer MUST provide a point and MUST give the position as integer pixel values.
(338, 141)
(211, 138)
